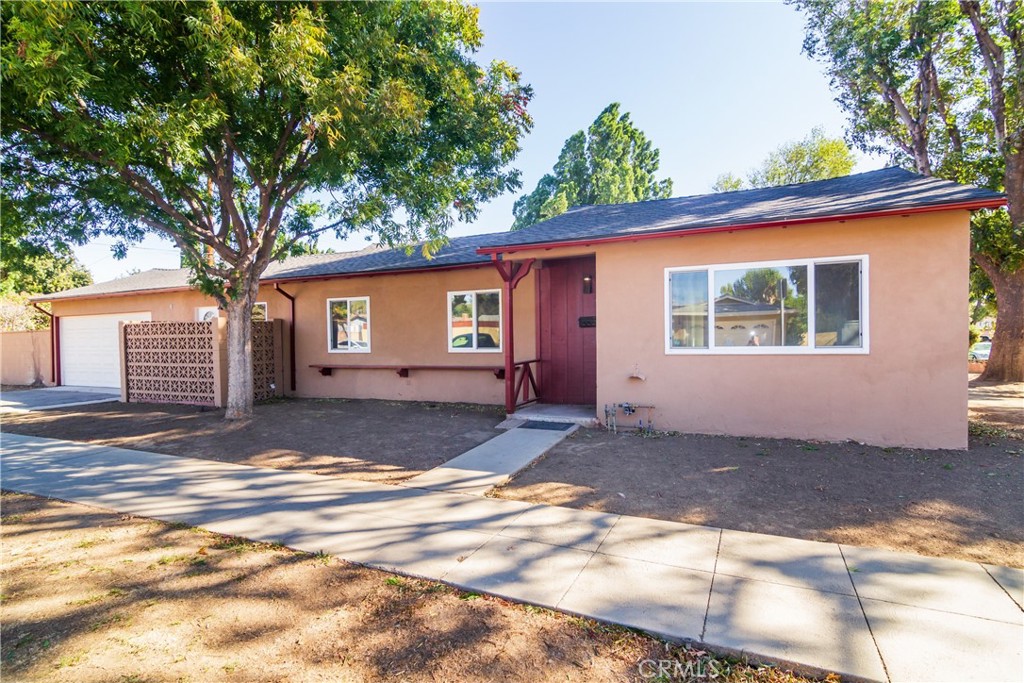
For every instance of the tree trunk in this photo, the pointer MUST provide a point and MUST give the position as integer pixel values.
(1006, 362)
(240, 358)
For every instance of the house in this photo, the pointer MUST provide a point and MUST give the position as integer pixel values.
(853, 288)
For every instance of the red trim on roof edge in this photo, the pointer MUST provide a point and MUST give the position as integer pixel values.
(587, 241)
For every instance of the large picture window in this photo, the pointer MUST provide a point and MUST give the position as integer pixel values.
(474, 321)
(348, 325)
(799, 306)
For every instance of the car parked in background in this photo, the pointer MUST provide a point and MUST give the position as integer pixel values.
(979, 351)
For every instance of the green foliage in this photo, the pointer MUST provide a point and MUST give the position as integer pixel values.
(612, 163)
(940, 85)
(209, 122)
(919, 82)
(816, 157)
(31, 267)
(214, 123)
(727, 182)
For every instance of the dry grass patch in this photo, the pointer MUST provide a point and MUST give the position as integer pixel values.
(163, 602)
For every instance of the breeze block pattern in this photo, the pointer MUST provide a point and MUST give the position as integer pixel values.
(264, 368)
(170, 362)
(186, 362)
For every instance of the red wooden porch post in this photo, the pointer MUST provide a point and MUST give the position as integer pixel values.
(511, 273)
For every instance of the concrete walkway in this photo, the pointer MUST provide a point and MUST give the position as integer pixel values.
(493, 462)
(50, 398)
(864, 613)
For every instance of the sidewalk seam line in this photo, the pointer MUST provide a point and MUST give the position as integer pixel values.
(585, 564)
(711, 588)
(1014, 600)
(864, 613)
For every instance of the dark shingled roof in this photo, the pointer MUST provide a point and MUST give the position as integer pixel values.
(149, 280)
(884, 190)
(459, 251)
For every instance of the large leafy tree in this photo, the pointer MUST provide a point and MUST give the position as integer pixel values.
(939, 84)
(225, 125)
(815, 157)
(612, 162)
(31, 267)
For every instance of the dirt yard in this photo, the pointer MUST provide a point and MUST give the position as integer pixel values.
(90, 596)
(964, 505)
(380, 441)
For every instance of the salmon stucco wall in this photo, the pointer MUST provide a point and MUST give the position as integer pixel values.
(25, 358)
(408, 326)
(177, 306)
(909, 390)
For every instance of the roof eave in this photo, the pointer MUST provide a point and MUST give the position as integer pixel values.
(50, 298)
(972, 205)
(373, 273)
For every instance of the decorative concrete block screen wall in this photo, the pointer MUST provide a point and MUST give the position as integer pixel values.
(186, 362)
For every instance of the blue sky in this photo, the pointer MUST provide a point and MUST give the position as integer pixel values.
(715, 86)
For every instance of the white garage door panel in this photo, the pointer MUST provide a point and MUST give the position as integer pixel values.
(89, 349)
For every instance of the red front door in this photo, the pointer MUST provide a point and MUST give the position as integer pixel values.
(566, 314)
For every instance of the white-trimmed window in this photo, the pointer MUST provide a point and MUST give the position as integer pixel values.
(474, 321)
(781, 307)
(348, 325)
(260, 312)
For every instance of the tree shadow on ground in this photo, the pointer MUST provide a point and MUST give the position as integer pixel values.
(386, 441)
(960, 504)
(90, 595)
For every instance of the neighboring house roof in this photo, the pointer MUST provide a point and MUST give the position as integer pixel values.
(884, 192)
(890, 190)
(729, 306)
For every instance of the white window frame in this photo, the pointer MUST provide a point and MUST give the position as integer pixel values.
(501, 321)
(266, 308)
(330, 321)
(810, 348)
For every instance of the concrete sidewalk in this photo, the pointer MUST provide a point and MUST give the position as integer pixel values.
(493, 462)
(51, 398)
(864, 613)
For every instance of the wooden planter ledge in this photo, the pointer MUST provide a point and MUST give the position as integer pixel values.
(404, 370)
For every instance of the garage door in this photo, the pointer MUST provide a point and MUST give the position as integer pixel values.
(89, 349)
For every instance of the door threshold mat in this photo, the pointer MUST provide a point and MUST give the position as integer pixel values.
(551, 426)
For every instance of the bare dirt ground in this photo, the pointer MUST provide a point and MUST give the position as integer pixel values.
(91, 596)
(963, 505)
(384, 441)
(959, 504)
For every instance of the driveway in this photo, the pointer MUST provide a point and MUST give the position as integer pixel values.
(31, 400)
